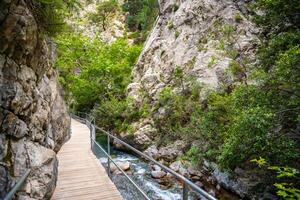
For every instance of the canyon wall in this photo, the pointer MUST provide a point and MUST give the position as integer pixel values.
(33, 117)
(200, 37)
(203, 39)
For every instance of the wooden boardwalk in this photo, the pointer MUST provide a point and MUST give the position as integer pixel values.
(80, 174)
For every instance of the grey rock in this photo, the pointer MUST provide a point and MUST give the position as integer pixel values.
(224, 180)
(176, 166)
(141, 138)
(34, 119)
(193, 171)
(5, 181)
(156, 168)
(172, 151)
(14, 126)
(158, 174)
(152, 151)
(3, 146)
(125, 166)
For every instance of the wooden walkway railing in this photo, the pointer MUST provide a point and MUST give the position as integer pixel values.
(80, 174)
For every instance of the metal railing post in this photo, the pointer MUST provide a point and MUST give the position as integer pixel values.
(91, 136)
(185, 192)
(108, 152)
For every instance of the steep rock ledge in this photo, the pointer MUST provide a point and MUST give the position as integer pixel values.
(202, 38)
(33, 117)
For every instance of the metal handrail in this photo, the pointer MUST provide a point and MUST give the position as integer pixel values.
(186, 182)
(91, 126)
(123, 172)
(17, 186)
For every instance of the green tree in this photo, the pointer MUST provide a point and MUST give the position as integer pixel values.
(51, 14)
(105, 11)
(141, 14)
(92, 72)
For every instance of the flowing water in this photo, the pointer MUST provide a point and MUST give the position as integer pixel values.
(140, 172)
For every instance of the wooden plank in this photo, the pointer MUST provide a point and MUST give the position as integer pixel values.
(80, 174)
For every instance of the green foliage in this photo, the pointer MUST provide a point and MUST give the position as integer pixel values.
(192, 155)
(177, 33)
(238, 17)
(93, 72)
(141, 15)
(170, 25)
(261, 161)
(105, 11)
(283, 189)
(116, 115)
(228, 30)
(249, 128)
(180, 107)
(286, 191)
(278, 14)
(175, 7)
(212, 62)
(284, 171)
(50, 14)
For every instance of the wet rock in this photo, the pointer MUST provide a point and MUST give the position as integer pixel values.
(155, 168)
(183, 171)
(158, 174)
(152, 151)
(125, 166)
(193, 171)
(172, 151)
(223, 179)
(176, 166)
(195, 178)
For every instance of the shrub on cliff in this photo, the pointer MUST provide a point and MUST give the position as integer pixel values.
(93, 72)
(50, 14)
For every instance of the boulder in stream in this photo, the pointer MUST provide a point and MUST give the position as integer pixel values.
(158, 174)
(125, 166)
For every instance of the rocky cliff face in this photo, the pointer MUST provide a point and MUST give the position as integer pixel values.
(33, 117)
(203, 38)
(81, 23)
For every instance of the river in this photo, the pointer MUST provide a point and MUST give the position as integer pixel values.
(140, 172)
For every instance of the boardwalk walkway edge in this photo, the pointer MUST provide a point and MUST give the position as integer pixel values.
(80, 174)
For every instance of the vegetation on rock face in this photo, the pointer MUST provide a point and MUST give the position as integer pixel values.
(95, 75)
(93, 72)
(50, 14)
(247, 121)
(141, 15)
(105, 11)
(240, 124)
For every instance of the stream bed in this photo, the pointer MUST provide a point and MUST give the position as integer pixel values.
(140, 173)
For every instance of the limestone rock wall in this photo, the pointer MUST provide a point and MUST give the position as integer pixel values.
(33, 117)
(200, 36)
(203, 38)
